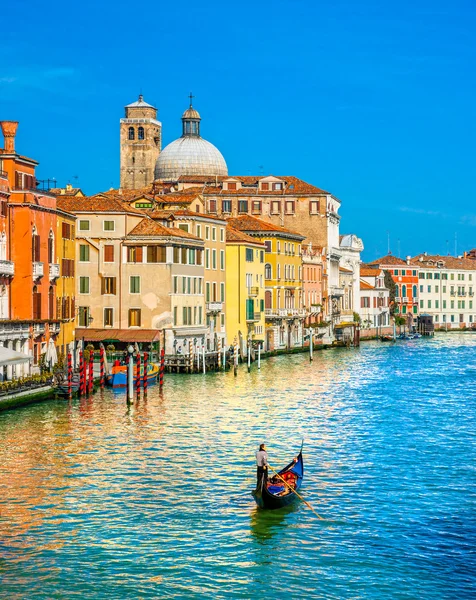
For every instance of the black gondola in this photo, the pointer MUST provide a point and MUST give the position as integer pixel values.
(273, 493)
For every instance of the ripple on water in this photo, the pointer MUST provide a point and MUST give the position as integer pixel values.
(97, 501)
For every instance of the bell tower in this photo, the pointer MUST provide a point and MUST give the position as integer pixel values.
(141, 143)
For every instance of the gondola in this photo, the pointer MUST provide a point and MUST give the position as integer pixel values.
(273, 493)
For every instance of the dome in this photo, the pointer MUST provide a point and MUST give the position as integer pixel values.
(191, 113)
(190, 155)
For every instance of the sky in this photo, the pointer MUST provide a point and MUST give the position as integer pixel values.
(372, 101)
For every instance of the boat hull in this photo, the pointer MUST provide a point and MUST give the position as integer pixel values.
(267, 500)
(118, 376)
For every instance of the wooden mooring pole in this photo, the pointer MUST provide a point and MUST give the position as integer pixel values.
(70, 376)
(145, 383)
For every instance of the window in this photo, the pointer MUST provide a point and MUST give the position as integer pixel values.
(275, 207)
(140, 133)
(35, 247)
(395, 272)
(84, 225)
(268, 245)
(183, 227)
(134, 284)
(51, 248)
(414, 273)
(429, 288)
(314, 207)
(83, 253)
(156, 254)
(414, 291)
(207, 258)
(422, 276)
(222, 292)
(279, 271)
(429, 303)
(268, 271)
(249, 254)
(226, 206)
(289, 207)
(444, 303)
(212, 206)
(429, 275)
(143, 205)
(207, 292)
(134, 254)
(134, 317)
(214, 234)
(277, 187)
(108, 317)
(187, 315)
(365, 302)
(66, 231)
(421, 289)
(83, 316)
(214, 259)
(222, 234)
(108, 253)
(108, 225)
(175, 315)
(207, 232)
(108, 285)
(278, 244)
(243, 206)
(131, 133)
(265, 187)
(261, 256)
(84, 285)
(437, 304)
(222, 260)
(256, 207)
(404, 291)
(231, 186)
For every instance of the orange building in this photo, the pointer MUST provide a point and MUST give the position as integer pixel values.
(31, 231)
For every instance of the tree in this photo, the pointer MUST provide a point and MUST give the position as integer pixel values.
(400, 321)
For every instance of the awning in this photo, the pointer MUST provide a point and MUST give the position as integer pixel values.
(110, 336)
(11, 357)
(348, 324)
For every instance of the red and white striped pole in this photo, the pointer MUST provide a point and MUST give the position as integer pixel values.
(91, 372)
(162, 368)
(101, 366)
(138, 374)
(144, 381)
(81, 373)
(70, 376)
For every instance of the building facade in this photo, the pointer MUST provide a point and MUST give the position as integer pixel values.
(374, 310)
(65, 280)
(446, 287)
(245, 289)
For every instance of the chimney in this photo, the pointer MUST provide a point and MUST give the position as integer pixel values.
(9, 129)
(408, 259)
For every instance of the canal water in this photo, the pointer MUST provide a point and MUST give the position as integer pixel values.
(97, 501)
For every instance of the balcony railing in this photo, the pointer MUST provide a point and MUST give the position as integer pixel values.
(38, 270)
(7, 268)
(214, 306)
(54, 326)
(253, 316)
(39, 328)
(336, 291)
(253, 292)
(12, 328)
(54, 271)
(3, 174)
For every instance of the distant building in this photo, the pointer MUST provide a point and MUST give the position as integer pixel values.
(446, 289)
(374, 310)
(69, 190)
(314, 283)
(405, 275)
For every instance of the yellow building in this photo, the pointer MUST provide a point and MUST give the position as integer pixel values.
(284, 310)
(245, 288)
(63, 271)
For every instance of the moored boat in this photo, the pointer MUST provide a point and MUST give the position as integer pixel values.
(118, 375)
(274, 493)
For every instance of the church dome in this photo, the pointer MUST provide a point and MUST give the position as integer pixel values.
(190, 156)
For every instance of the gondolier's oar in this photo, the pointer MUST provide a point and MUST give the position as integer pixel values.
(294, 492)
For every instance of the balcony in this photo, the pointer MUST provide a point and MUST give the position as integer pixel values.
(7, 268)
(54, 271)
(336, 292)
(37, 270)
(275, 313)
(252, 317)
(39, 329)
(253, 292)
(452, 293)
(54, 327)
(13, 329)
(214, 307)
(460, 294)
(3, 175)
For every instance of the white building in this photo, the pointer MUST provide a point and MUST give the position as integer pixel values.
(374, 299)
(446, 290)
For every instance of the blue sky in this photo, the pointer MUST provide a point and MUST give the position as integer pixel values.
(372, 101)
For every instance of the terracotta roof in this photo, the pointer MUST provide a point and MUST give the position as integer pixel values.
(369, 271)
(248, 223)
(366, 286)
(94, 204)
(167, 213)
(234, 236)
(149, 227)
(65, 191)
(128, 195)
(293, 185)
(388, 261)
(90, 334)
(448, 262)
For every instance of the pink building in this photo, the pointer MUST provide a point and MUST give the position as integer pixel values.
(313, 283)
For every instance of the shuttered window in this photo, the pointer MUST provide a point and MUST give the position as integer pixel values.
(134, 254)
(36, 248)
(109, 285)
(84, 253)
(109, 253)
(134, 317)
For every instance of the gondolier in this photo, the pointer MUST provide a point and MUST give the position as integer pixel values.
(261, 464)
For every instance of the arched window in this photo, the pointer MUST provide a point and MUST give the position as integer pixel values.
(268, 272)
(140, 133)
(268, 299)
(131, 133)
(35, 246)
(404, 291)
(414, 293)
(36, 303)
(396, 291)
(51, 247)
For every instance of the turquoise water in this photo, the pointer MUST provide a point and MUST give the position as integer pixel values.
(100, 502)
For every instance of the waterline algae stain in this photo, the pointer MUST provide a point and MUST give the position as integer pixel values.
(100, 502)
